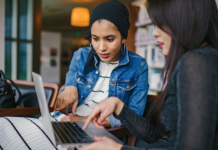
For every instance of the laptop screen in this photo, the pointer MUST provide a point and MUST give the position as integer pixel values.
(43, 105)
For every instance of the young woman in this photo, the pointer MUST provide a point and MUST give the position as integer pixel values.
(186, 110)
(106, 69)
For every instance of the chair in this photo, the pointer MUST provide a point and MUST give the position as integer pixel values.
(29, 104)
(123, 131)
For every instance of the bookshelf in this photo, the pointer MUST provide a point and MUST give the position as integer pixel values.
(147, 46)
(143, 22)
(150, 41)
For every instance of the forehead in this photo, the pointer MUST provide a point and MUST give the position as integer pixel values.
(104, 26)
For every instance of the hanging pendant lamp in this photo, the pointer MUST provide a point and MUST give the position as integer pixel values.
(80, 17)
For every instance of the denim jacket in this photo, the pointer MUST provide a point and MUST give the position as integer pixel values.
(128, 81)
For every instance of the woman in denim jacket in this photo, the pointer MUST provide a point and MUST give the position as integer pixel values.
(86, 83)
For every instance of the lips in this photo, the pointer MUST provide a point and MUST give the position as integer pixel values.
(161, 45)
(104, 55)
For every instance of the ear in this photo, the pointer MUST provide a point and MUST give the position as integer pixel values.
(123, 41)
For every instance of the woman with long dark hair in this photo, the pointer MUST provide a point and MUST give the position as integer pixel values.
(186, 109)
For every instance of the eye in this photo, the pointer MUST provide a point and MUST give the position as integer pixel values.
(95, 39)
(110, 39)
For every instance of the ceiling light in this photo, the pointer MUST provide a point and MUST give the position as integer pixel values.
(80, 17)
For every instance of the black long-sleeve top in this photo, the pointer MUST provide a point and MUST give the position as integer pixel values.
(189, 112)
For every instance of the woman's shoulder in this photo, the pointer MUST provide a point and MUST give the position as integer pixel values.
(82, 53)
(206, 56)
(133, 55)
(197, 64)
(84, 50)
(137, 61)
(202, 53)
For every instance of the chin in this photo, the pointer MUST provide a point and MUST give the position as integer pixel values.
(105, 60)
(165, 52)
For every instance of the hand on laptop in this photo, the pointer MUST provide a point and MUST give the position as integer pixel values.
(67, 99)
(73, 118)
(103, 110)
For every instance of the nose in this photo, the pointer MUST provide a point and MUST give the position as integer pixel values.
(155, 32)
(102, 46)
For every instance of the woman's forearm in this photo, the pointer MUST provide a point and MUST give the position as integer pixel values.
(138, 125)
(119, 106)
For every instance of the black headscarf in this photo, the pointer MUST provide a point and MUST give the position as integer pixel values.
(113, 11)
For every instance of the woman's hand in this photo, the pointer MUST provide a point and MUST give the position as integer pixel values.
(68, 98)
(77, 118)
(103, 110)
(73, 118)
(104, 143)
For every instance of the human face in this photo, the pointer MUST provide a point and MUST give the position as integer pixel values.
(163, 39)
(106, 40)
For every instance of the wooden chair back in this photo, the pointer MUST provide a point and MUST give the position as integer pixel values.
(31, 110)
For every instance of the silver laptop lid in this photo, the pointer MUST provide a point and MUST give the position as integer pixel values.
(40, 92)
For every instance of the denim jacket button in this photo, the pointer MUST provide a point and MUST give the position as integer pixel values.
(89, 86)
(128, 86)
(81, 96)
(96, 72)
(78, 79)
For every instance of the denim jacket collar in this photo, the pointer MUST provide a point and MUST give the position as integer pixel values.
(97, 60)
(124, 58)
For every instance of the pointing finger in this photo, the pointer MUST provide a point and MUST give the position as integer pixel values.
(95, 112)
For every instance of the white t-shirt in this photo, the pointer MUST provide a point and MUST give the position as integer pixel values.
(100, 90)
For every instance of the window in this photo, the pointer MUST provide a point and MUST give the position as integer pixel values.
(18, 39)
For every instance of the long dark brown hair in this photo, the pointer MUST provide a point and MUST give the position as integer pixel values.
(189, 23)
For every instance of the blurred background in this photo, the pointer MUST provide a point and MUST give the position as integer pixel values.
(42, 35)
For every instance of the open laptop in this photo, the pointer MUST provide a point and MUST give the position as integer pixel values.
(66, 134)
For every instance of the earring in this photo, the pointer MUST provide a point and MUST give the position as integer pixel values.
(91, 48)
(123, 48)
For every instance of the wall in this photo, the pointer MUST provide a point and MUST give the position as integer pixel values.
(2, 34)
(50, 56)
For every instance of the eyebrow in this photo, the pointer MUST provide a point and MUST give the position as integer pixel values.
(105, 36)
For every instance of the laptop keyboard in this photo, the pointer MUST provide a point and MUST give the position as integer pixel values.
(70, 132)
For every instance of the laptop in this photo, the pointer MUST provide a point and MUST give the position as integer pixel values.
(66, 134)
